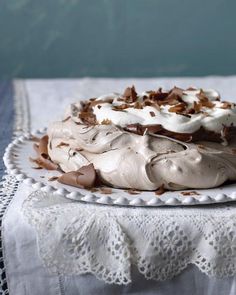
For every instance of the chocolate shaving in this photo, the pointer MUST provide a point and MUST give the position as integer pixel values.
(66, 119)
(53, 178)
(100, 101)
(191, 89)
(192, 193)
(204, 101)
(44, 163)
(152, 104)
(179, 108)
(106, 122)
(173, 99)
(120, 107)
(157, 95)
(196, 107)
(152, 114)
(130, 94)
(226, 105)
(84, 177)
(177, 91)
(208, 104)
(88, 117)
(161, 190)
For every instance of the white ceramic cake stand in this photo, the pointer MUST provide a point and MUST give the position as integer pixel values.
(16, 159)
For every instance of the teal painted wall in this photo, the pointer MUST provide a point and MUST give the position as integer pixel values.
(119, 38)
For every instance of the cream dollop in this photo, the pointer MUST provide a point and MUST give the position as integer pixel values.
(211, 119)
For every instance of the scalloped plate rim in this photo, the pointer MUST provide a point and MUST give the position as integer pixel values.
(123, 199)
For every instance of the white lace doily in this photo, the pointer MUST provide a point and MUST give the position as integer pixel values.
(75, 238)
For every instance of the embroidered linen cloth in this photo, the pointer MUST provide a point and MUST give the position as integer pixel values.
(75, 238)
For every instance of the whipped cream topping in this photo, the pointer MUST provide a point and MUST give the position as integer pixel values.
(212, 116)
(126, 160)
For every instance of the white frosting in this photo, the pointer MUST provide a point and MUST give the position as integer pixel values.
(215, 121)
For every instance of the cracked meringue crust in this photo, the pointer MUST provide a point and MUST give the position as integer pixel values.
(145, 162)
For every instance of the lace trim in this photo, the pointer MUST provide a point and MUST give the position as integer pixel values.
(77, 238)
(8, 187)
(9, 184)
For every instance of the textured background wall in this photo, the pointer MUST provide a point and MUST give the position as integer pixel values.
(71, 38)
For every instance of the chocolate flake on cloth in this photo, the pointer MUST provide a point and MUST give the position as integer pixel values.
(43, 160)
(83, 178)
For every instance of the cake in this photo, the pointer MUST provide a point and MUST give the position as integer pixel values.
(169, 140)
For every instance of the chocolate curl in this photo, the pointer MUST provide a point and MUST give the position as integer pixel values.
(43, 147)
(83, 178)
(43, 160)
(44, 163)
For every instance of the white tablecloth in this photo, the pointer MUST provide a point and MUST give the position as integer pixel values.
(40, 102)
